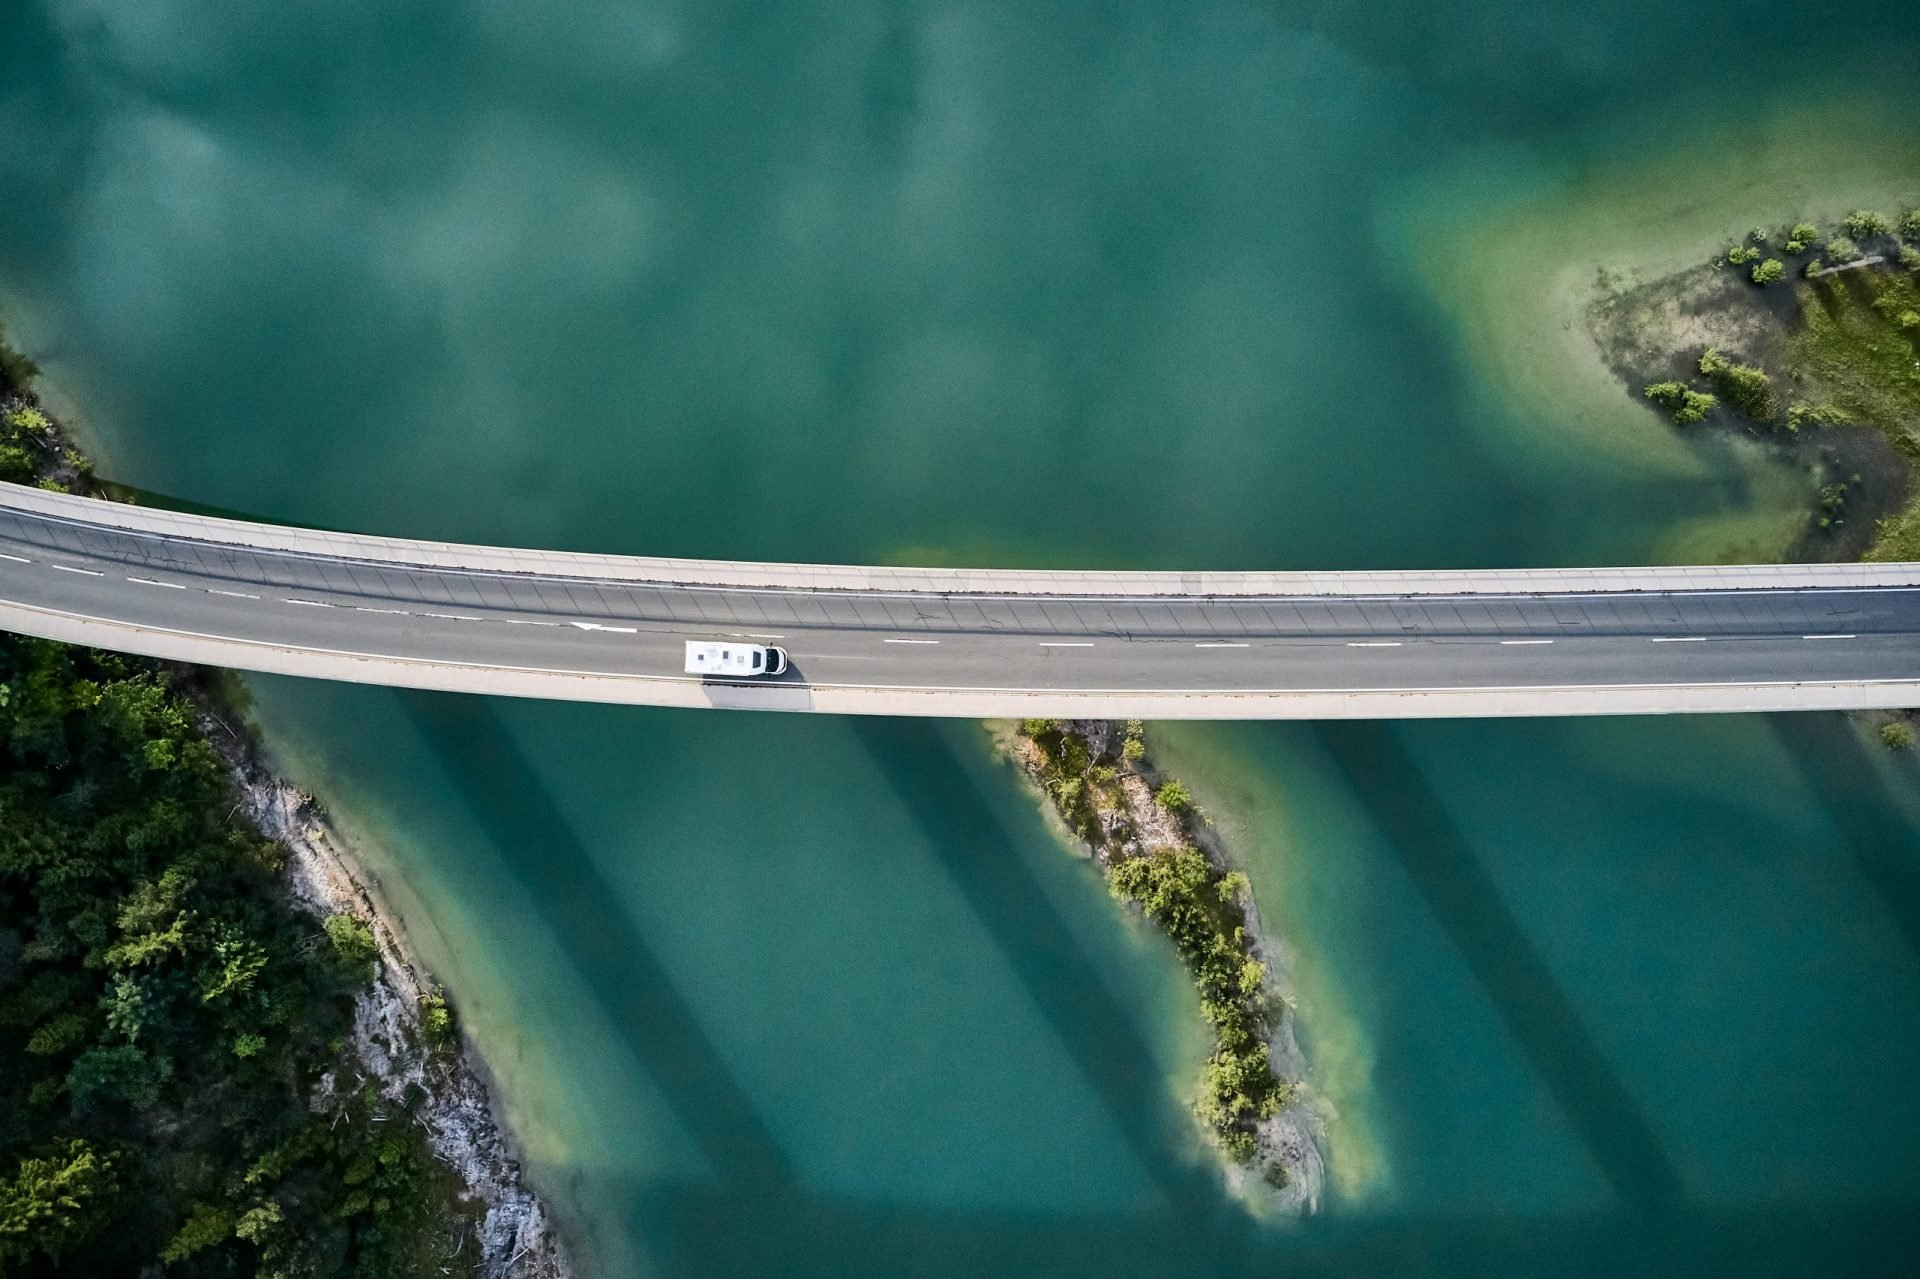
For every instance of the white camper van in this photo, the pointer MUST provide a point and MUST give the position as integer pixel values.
(742, 661)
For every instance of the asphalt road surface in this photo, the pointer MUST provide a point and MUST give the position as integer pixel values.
(596, 628)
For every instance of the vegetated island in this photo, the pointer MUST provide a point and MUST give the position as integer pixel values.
(1159, 855)
(1806, 338)
(216, 1058)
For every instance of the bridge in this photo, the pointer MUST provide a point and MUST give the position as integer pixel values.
(964, 642)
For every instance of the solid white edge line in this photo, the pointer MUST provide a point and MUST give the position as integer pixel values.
(554, 575)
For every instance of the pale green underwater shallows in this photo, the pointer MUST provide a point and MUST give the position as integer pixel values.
(1155, 285)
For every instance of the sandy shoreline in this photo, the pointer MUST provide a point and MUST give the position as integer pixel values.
(518, 1238)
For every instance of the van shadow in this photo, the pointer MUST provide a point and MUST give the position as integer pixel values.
(1503, 960)
(789, 691)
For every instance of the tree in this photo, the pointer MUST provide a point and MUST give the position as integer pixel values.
(55, 1202)
(1768, 272)
(1801, 237)
(1841, 249)
(1864, 224)
(1173, 796)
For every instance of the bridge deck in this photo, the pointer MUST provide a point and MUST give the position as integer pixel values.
(960, 642)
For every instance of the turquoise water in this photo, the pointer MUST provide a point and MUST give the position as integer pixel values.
(1156, 285)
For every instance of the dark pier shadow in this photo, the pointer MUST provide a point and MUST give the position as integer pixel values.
(1536, 1012)
(1877, 836)
(752, 1217)
(577, 902)
(933, 786)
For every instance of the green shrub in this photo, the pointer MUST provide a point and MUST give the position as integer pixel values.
(1686, 406)
(1133, 750)
(206, 1226)
(1747, 388)
(1801, 237)
(16, 465)
(1910, 257)
(1898, 735)
(1769, 272)
(1864, 224)
(1173, 796)
(28, 420)
(1038, 727)
(436, 1018)
(1841, 249)
(1910, 225)
(1814, 267)
(1741, 254)
(1907, 321)
(354, 947)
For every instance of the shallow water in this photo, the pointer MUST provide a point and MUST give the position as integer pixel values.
(1227, 284)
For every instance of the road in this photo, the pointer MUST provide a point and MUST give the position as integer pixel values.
(960, 642)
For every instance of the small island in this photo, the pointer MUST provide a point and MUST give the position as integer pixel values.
(1805, 340)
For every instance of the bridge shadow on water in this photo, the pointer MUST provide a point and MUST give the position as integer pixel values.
(753, 1214)
(1878, 838)
(1516, 979)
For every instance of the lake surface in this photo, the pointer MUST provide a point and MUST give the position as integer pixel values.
(1155, 285)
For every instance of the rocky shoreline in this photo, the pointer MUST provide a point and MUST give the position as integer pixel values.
(391, 1043)
(1286, 1169)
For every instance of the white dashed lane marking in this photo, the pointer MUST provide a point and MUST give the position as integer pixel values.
(148, 581)
(1821, 637)
(1373, 644)
(87, 572)
(596, 626)
(308, 603)
(17, 559)
(1511, 643)
(238, 595)
(1222, 644)
(908, 641)
(1679, 639)
(1066, 644)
